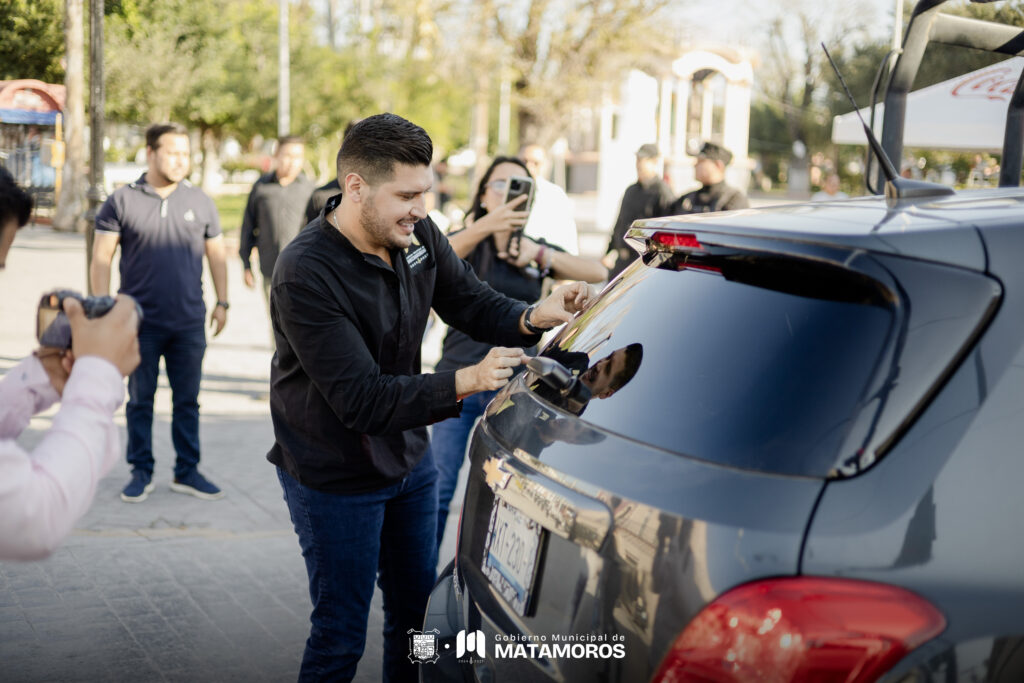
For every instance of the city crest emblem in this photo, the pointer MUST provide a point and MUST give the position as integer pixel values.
(423, 646)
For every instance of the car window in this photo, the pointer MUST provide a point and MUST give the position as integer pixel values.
(757, 366)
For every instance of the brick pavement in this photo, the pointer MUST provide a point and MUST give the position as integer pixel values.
(174, 588)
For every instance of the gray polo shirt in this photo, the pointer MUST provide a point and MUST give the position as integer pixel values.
(162, 247)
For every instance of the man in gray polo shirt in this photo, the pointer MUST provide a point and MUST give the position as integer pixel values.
(164, 225)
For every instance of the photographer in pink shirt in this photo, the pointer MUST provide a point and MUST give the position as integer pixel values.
(45, 491)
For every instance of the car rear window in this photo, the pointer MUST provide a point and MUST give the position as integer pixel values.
(762, 365)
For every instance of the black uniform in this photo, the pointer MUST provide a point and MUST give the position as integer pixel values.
(319, 198)
(717, 197)
(639, 201)
(273, 217)
(348, 402)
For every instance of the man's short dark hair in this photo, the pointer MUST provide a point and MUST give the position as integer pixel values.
(14, 201)
(634, 356)
(157, 130)
(377, 143)
(289, 140)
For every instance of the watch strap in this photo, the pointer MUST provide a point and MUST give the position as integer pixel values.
(529, 325)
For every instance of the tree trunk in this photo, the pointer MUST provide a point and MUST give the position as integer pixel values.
(210, 169)
(529, 127)
(72, 204)
(479, 137)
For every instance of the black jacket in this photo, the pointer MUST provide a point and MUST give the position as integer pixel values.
(319, 198)
(638, 201)
(273, 216)
(717, 197)
(347, 399)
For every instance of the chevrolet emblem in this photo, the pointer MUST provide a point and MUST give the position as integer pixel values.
(495, 474)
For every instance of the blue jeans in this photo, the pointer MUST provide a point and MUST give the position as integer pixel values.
(448, 440)
(183, 351)
(347, 540)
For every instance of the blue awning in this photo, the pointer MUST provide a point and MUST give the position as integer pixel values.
(38, 118)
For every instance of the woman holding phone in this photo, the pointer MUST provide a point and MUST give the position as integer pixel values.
(513, 264)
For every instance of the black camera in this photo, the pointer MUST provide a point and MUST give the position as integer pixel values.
(53, 327)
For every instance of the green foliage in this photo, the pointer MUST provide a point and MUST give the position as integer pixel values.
(230, 207)
(218, 71)
(32, 40)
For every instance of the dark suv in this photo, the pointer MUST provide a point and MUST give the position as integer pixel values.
(784, 445)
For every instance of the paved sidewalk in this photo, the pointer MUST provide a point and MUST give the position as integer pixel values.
(174, 588)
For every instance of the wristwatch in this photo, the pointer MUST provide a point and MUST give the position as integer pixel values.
(224, 304)
(530, 326)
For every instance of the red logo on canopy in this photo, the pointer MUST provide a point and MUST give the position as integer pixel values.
(993, 84)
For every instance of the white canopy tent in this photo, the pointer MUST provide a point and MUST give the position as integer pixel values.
(964, 113)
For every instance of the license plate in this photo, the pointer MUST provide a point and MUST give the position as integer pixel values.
(510, 554)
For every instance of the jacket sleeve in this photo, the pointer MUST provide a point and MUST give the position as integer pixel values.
(247, 238)
(738, 200)
(43, 493)
(472, 306)
(313, 206)
(330, 349)
(666, 200)
(622, 223)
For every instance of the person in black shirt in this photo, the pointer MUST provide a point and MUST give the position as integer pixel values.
(484, 243)
(318, 200)
(349, 302)
(274, 212)
(714, 194)
(648, 197)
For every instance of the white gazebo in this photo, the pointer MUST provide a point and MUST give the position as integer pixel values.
(703, 95)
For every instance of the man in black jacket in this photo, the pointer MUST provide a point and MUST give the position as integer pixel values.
(349, 303)
(274, 212)
(714, 194)
(648, 197)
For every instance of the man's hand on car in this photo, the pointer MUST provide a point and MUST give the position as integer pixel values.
(560, 306)
(489, 374)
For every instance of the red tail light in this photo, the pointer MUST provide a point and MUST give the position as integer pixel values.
(801, 629)
(676, 240)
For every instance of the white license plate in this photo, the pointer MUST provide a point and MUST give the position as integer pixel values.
(510, 554)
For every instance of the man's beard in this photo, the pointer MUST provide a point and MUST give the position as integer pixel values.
(376, 227)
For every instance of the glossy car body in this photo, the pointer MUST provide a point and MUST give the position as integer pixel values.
(829, 401)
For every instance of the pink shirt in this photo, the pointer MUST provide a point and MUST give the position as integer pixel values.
(43, 493)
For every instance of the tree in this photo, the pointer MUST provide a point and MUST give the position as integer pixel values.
(31, 40)
(561, 52)
(70, 214)
(795, 76)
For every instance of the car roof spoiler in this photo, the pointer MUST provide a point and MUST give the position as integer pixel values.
(928, 25)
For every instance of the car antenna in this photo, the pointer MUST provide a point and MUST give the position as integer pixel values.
(896, 186)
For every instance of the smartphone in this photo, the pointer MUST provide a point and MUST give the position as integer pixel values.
(518, 186)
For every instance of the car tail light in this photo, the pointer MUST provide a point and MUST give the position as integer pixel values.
(801, 629)
(676, 240)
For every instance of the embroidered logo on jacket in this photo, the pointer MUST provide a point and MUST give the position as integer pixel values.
(415, 254)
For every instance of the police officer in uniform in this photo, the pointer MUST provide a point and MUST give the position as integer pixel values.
(648, 197)
(714, 194)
